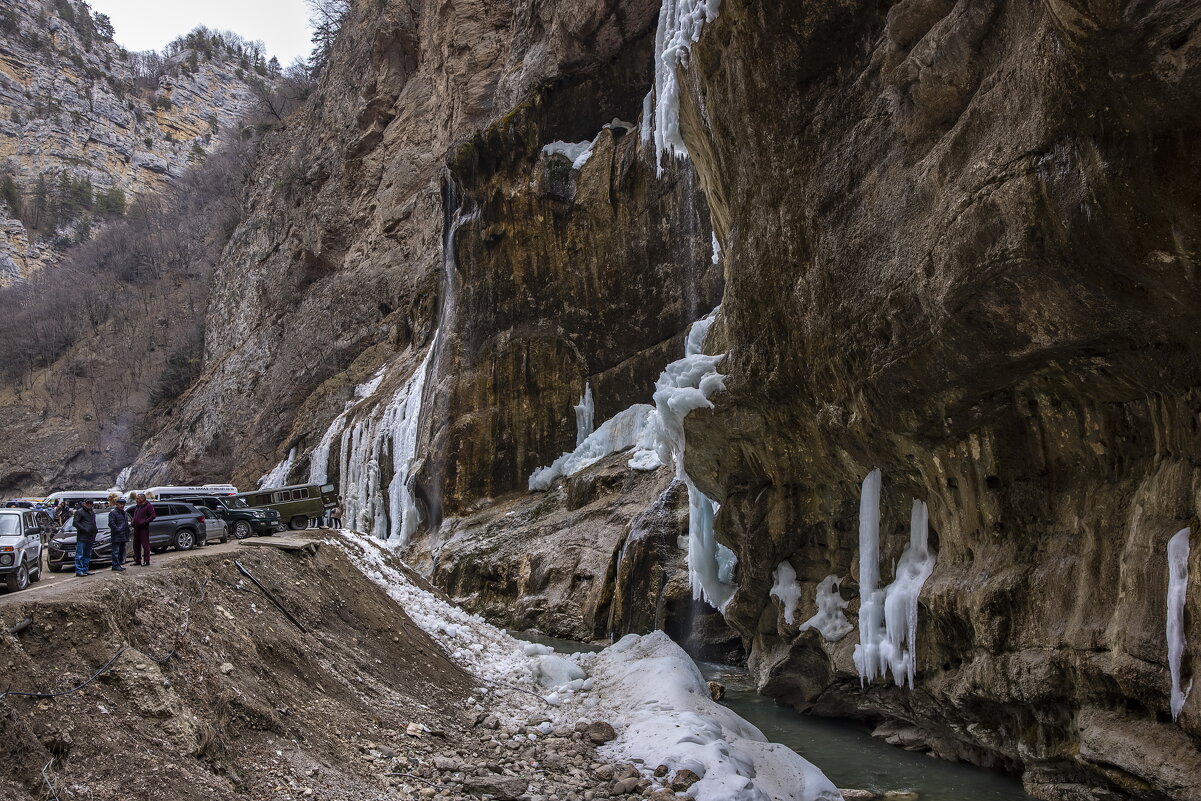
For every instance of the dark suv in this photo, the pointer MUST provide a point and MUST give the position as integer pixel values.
(241, 518)
(178, 525)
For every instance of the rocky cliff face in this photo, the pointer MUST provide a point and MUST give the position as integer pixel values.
(76, 107)
(958, 246)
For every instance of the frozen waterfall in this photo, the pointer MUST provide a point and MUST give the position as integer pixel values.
(1178, 551)
(278, 475)
(585, 416)
(888, 617)
(831, 619)
(680, 24)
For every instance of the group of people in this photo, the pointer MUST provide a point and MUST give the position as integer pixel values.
(123, 525)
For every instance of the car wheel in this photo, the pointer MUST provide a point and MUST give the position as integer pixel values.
(242, 530)
(225, 535)
(35, 574)
(18, 580)
(185, 539)
(299, 523)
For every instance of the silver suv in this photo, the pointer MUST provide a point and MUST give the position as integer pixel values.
(20, 548)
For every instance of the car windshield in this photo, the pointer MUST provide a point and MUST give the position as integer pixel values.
(237, 503)
(9, 525)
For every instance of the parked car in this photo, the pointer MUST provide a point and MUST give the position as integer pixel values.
(297, 504)
(242, 519)
(20, 548)
(178, 525)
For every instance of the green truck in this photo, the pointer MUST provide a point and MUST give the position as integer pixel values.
(296, 504)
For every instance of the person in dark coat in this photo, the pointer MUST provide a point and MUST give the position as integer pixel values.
(119, 530)
(84, 522)
(143, 516)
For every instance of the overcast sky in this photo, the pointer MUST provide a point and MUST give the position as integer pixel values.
(283, 25)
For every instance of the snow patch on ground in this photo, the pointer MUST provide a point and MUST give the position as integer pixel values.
(646, 687)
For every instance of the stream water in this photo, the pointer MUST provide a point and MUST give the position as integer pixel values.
(845, 751)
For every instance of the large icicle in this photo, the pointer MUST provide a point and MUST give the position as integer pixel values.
(278, 475)
(888, 617)
(871, 599)
(680, 24)
(585, 416)
(1178, 551)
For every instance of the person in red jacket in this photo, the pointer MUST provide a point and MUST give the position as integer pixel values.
(143, 515)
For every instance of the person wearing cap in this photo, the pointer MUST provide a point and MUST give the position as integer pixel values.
(118, 529)
(84, 521)
(143, 516)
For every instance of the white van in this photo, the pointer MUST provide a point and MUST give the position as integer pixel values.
(163, 493)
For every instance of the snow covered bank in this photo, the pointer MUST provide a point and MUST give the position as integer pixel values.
(661, 699)
(646, 687)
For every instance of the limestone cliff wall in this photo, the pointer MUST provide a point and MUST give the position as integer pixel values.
(963, 251)
(70, 103)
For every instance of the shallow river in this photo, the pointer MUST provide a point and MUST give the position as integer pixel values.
(844, 750)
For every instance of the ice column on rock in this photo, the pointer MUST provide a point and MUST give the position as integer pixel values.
(830, 619)
(278, 475)
(871, 598)
(123, 477)
(680, 24)
(585, 416)
(888, 617)
(900, 598)
(1178, 551)
(319, 457)
(786, 588)
(623, 430)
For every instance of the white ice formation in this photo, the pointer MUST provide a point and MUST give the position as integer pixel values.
(830, 620)
(680, 24)
(123, 477)
(278, 475)
(577, 153)
(888, 617)
(658, 433)
(787, 589)
(1178, 551)
(319, 458)
(618, 433)
(585, 416)
(366, 446)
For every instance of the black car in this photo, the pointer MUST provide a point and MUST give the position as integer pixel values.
(178, 525)
(242, 519)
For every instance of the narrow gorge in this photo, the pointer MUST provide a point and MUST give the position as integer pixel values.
(856, 342)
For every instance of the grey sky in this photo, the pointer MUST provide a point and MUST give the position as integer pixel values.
(283, 25)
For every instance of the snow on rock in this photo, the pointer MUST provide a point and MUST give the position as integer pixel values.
(830, 619)
(1178, 551)
(680, 24)
(577, 153)
(585, 416)
(656, 691)
(646, 687)
(278, 475)
(888, 617)
(618, 433)
(787, 589)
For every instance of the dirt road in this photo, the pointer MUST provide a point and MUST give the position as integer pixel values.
(54, 585)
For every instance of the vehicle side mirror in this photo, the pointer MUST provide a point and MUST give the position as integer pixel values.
(33, 531)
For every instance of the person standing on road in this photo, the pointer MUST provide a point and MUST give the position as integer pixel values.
(118, 528)
(143, 516)
(85, 536)
(335, 515)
